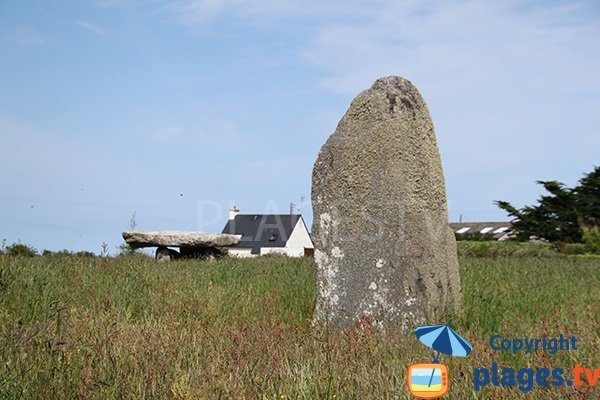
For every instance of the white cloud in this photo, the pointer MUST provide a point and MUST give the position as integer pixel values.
(194, 11)
(493, 73)
(447, 43)
(455, 43)
(90, 27)
(198, 10)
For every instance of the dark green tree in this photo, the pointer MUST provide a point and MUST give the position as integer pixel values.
(561, 216)
(587, 198)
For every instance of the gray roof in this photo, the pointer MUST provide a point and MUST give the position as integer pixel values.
(262, 230)
(498, 229)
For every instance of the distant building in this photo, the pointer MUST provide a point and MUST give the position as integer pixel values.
(262, 234)
(497, 230)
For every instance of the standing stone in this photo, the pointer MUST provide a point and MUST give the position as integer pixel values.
(383, 247)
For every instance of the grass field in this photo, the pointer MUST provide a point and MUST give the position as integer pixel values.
(128, 328)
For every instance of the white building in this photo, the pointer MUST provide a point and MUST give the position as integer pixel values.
(268, 233)
(495, 230)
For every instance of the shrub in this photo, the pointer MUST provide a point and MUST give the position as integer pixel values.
(570, 248)
(504, 249)
(67, 253)
(84, 253)
(21, 250)
(64, 252)
(591, 240)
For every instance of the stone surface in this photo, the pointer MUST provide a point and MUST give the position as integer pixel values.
(383, 247)
(138, 239)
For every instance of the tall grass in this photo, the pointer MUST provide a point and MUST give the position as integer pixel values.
(127, 327)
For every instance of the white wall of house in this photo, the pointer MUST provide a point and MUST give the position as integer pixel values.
(273, 250)
(284, 251)
(299, 239)
(241, 253)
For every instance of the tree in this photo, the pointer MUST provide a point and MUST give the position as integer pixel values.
(587, 197)
(563, 215)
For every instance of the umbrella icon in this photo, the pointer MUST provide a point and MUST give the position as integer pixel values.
(442, 339)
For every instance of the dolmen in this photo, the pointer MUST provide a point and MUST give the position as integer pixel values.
(191, 244)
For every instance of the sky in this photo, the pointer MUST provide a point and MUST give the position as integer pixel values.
(167, 113)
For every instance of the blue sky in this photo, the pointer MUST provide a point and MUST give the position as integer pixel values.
(176, 110)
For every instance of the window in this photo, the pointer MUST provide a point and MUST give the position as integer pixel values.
(487, 229)
(462, 230)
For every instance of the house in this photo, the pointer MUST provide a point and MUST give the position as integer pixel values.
(268, 234)
(497, 230)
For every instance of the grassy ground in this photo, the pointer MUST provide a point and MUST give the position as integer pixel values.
(126, 327)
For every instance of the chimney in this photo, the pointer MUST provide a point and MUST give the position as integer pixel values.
(233, 212)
